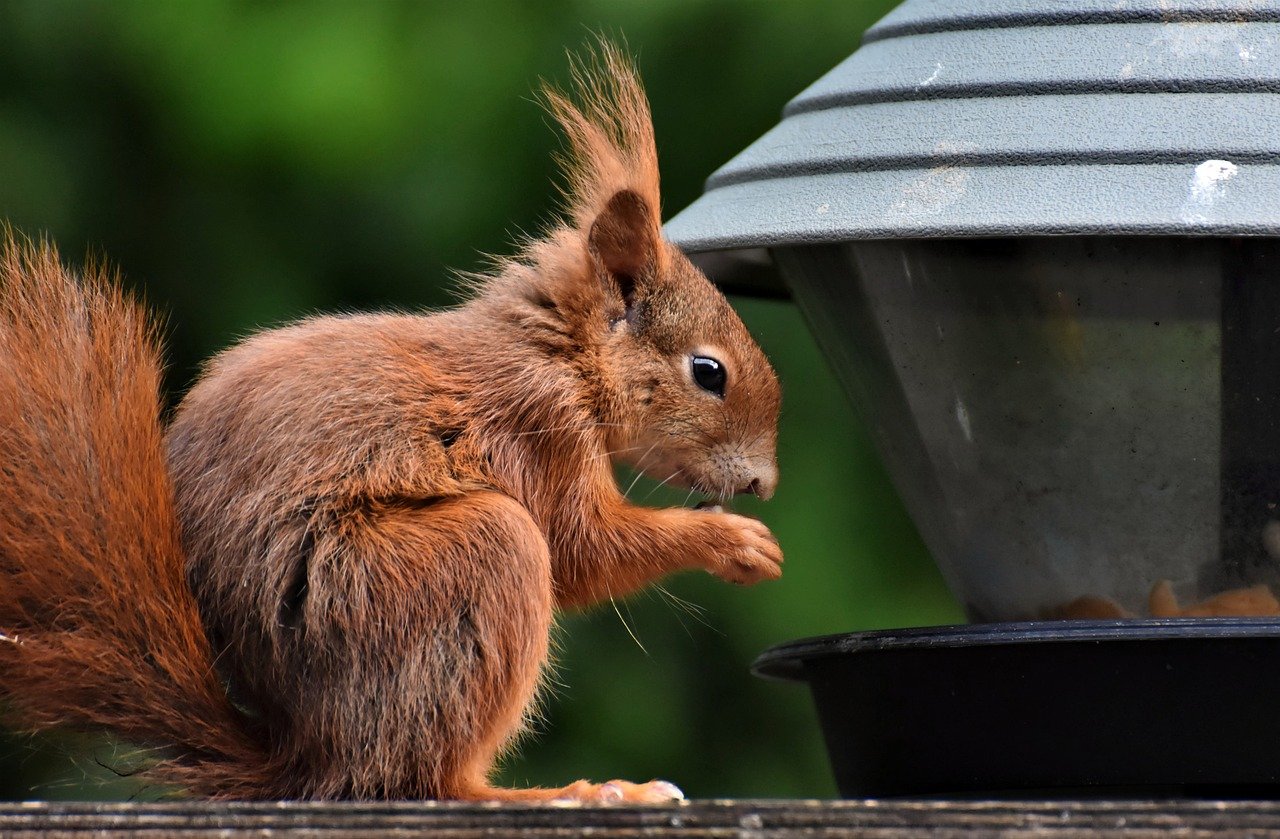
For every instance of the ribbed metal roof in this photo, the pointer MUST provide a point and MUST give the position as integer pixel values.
(1015, 117)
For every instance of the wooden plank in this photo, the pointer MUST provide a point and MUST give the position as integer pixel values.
(701, 819)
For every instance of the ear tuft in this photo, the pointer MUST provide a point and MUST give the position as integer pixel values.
(624, 239)
(610, 150)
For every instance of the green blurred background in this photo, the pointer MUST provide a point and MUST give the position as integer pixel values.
(248, 163)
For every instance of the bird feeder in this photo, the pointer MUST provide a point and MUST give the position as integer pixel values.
(1037, 242)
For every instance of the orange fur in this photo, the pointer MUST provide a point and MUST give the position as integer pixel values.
(99, 627)
(377, 513)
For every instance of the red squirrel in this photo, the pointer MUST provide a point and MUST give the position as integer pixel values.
(333, 575)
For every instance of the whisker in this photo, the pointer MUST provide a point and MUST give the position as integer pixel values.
(626, 493)
(639, 471)
(689, 608)
(615, 451)
(576, 426)
(698, 437)
(627, 626)
(679, 604)
(661, 483)
(655, 589)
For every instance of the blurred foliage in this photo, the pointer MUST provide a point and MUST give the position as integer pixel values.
(247, 163)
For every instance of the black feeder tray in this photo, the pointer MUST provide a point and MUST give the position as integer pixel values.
(1039, 243)
(1177, 707)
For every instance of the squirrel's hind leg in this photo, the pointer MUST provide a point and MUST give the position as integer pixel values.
(426, 627)
(423, 635)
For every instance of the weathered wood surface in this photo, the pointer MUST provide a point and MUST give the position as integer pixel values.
(703, 819)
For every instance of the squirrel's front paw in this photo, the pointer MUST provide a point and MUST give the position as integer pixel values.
(746, 551)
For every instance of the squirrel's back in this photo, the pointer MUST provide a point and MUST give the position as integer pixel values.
(286, 438)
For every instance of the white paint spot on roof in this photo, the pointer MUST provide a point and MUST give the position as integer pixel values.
(1208, 182)
(931, 193)
(937, 68)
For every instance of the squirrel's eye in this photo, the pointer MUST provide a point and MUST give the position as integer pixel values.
(709, 374)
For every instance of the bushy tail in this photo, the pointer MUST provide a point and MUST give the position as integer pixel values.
(98, 629)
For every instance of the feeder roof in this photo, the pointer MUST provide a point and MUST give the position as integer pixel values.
(1013, 118)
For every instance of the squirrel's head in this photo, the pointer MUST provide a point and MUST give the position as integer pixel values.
(695, 400)
(683, 391)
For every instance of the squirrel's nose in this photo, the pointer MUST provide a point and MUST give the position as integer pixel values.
(762, 485)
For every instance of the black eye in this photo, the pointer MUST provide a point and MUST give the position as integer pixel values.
(709, 374)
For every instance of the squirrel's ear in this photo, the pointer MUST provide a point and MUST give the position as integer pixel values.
(624, 238)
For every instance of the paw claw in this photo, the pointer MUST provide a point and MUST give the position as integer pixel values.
(668, 791)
